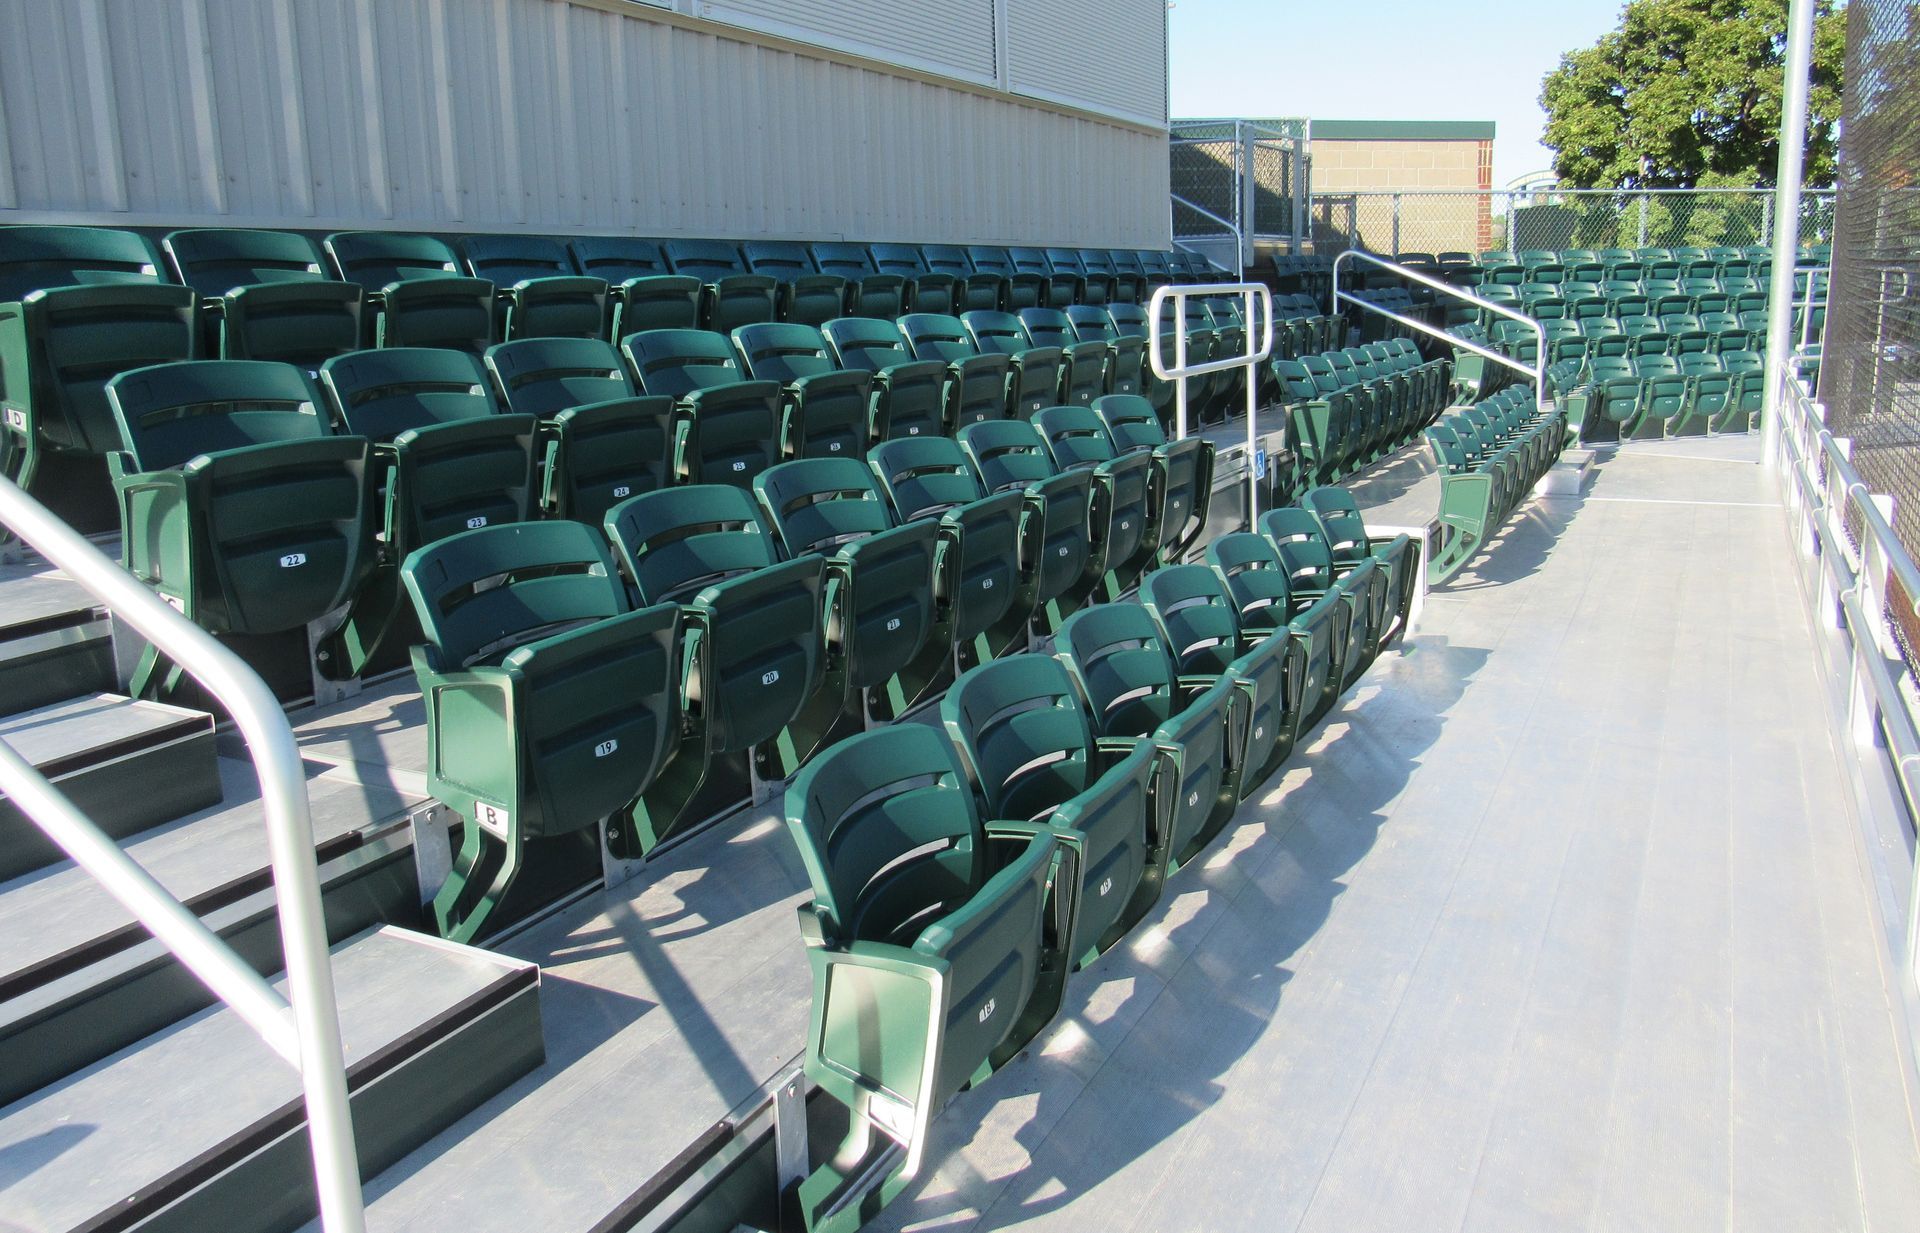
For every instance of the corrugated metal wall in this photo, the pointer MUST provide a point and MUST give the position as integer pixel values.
(529, 114)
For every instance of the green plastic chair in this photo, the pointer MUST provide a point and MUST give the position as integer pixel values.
(1033, 373)
(1125, 358)
(973, 289)
(909, 395)
(927, 936)
(1350, 544)
(1019, 288)
(1009, 456)
(977, 385)
(869, 292)
(1125, 676)
(1124, 520)
(643, 293)
(238, 503)
(1083, 368)
(754, 648)
(550, 708)
(265, 295)
(802, 294)
(978, 584)
(600, 442)
(416, 294)
(886, 646)
(1182, 472)
(927, 290)
(1058, 288)
(730, 295)
(825, 411)
(1032, 757)
(541, 292)
(726, 428)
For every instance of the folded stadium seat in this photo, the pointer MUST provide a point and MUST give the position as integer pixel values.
(984, 597)
(1202, 343)
(1123, 675)
(1278, 677)
(1126, 354)
(1545, 307)
(1034, 373)
(77, 305)
(1069, 279)
(1584, 401)
(1349, 542)
(1250, 575)
(416, 294)
(909, 395)
(1083, 367)
(1317, 417)
(1130, 321)
(802, 294)
(1158, 264)
(1708, 394)
(1721, 323)
(886, 648)
(1679, 323)
(1182, 472)
(1009, 456)
(1230, 333)
(1124, 520)
(1127, 280)
(1019, 288)
(265, 295)
(600, 442)
(929, 936)
(238, 501)
(977, 385)
(1586, 270)
(542, 293)
(1056, 289)
(1754, 322)
(446, 460)
(1362, 584)
(550, 707)
(726, 428)
(826, 412)
(1706, 295)
(644, 292)
(1747, 394)
(1663, 397)
(1031, 755)
(731, 295)
(973, 289)
(753, 632)
(869, 292)
(1375, 402)
(927, 291)
(1749, 301)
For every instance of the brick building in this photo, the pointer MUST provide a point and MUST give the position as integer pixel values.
(1358, 166)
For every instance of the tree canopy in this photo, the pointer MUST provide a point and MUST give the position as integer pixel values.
(1686, 94)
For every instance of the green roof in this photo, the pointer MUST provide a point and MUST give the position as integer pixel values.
(1403, 130)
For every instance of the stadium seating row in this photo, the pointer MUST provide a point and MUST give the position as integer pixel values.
(1642, 396)
(1490, 455)
(959, 879)
(1348, 408)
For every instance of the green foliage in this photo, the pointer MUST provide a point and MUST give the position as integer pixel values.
(1686, 94)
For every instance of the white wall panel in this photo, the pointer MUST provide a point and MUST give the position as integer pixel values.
(530, 114)
(1108, 56)
(951, 37)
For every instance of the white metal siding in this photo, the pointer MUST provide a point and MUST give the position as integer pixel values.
(529, 114)
(951, 37)
(1108, 56)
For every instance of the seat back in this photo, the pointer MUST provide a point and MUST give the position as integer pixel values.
(820, 504)
(1024, 739)
(382, 393)
(1120, 664)
(481, 593)
(1074, 437)
(214, 261)
(1255, 580)
(505, 260)
(170, 413)
(545, 376)
(923, 476)
(782, 351)
(38, 258)
(375, 259)
(1195, 616)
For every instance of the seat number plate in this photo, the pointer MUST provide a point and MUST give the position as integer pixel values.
(622, 490)
(604, 748)
(739, 466)
(492, 818)
(16, 419)
(293, 560)
(768, 678)
(474, 524)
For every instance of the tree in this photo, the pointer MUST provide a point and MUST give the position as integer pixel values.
(1686, 94)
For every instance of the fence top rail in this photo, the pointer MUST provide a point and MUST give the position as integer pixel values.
(1625, 194)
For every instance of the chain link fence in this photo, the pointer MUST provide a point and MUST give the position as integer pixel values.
(1870, 364)
(1473, 221)
(1237, 183)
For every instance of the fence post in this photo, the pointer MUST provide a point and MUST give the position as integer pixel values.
(1396, 224)
(1297, 157)
(1249, 200)
(1239, 192)
(1646, 203)
(1766, 219)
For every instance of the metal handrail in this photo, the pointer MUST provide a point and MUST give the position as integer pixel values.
(1539, 369)
(1204, 212)
(1251, 294)
(303, 1028)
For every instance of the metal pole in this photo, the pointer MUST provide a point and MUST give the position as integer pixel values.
(283, 794)
(1396, 225)
(1297, 156)
(1766, 218)
(1241, 222)
(1786, 212)
(1646, 204)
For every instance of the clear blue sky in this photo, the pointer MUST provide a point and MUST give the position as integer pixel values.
(1382, 60)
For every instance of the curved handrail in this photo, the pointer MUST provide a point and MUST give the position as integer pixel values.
(307, 1032)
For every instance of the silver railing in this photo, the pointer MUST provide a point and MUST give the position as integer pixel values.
(1858, 573)
(304, 1027)
(1251, 294)
(1537, 371)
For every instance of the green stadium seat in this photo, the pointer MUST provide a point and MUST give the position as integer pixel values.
(731, 295)
(825, 411)
(1083, 369)
(1123, 271)
(974, 290)
(1010, 456)
(927, 290)
(1034, 373)
(726, 428)
(550, 707)
(1071, 283)
(644, 292)
(977, 383)
(803, 295)
(1032, 757)
(753, 628)
(1350, 544)
(1130, 321)
(978, 583)
(77, 306)
(265, 295)
(1125, 360)
(909, 395)
(1057, 288)
(1313, 573)
(542, 294)
(416, 293)
(869, 292)
(1123, 518)
(928, 940)
(1123, 672)
(885, 645)
(601, 443)
(1708, 396)
(1748, 393)
(1019, 288)
(1182, 491)
(238, 502)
